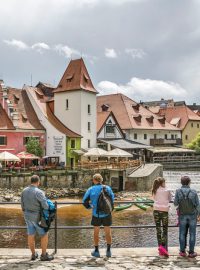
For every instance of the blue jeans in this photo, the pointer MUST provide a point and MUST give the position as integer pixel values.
(185, 222)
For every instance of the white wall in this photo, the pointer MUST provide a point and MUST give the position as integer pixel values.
(54, 138)
(76, 117)
(116, 135)
(160, 134)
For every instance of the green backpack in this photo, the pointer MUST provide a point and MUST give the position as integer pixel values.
(186, 206)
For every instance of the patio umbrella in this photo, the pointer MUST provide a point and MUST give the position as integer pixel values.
(6, 156)
(118, 153)
(25, 155)
(95, 152)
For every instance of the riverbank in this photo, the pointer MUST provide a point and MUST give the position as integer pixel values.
(14, 195)
(123, 258)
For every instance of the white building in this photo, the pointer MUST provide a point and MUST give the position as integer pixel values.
(138, 123)
(75, 102)
(57, 134)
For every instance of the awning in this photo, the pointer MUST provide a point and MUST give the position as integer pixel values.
(170, 150)
(78, 152)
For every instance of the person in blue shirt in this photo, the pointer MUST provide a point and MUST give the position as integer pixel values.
(90, 200)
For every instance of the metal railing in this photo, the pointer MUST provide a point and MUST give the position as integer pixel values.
(56, 227)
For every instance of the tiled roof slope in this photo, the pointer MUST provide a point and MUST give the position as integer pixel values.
(101, 118)
(47, 109)
(131, 115)
(21, 104)
(182, 112)
(5, 121)
(75, 77)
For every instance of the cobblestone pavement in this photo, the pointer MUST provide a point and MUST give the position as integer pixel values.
(86, 262)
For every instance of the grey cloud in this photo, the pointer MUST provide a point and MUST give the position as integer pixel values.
(166, 31)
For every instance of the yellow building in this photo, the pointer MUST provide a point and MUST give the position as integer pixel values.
(185, 119)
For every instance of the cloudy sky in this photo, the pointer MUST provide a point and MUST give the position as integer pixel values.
(146, 49)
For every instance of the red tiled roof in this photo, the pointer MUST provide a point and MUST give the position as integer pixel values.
(131, 115)
(75, 77)
(23, 107)
(5, 121)
(180, 112)
(101, 119)
(47, 108)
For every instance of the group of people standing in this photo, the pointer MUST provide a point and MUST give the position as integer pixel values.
(186, 200)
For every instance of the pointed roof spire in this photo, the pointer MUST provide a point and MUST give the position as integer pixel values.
(75, 77)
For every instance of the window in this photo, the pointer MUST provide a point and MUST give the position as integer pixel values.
(3, 140)
(27, 138)
(165, 136)
(145, 136)
(172, 136)
(89, 126)
(197, 125)
(155, 136)
(89, 109)
(191, 124)
(88, 143)
(135, 136)
(73, 143)
(186, 137)
(110, 129)
(67, 104)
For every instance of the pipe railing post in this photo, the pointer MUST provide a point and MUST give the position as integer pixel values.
(55, 231)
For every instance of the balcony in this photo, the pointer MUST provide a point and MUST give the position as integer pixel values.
(165, 142)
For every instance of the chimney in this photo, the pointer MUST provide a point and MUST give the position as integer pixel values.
(15, 118)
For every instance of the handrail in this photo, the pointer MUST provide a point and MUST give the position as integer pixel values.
(56, 227)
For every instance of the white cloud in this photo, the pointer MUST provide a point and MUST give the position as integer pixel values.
(18, 44)
(66, 51)
(135, 53)
(110, 53)
(144, 89)
(40, 46)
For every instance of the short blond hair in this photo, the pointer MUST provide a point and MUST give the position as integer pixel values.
(98, 177)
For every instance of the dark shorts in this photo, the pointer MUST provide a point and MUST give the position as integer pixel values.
(105, 221)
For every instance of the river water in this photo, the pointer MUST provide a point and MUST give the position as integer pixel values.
(77, 215)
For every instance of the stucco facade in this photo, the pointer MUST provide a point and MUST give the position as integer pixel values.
(190, 131)
(16, 140)
(76, 115)
(144, 136)
(55, 140)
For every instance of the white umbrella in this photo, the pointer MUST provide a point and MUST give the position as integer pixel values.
(95, 152)
(6, 156)
(118, 153)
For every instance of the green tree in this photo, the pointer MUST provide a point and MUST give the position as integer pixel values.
(33, 147)
(195, 144)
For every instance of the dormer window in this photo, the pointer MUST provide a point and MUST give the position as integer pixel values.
(105, 107)
(24, 117)
(86, 79)
(16, 98)
(137, 117)
(150, 119)
(69, 78)
(136, 107)
(162, 120)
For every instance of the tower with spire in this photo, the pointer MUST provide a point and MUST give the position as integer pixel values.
(75, 102)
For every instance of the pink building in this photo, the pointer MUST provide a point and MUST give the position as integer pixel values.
(18, 120)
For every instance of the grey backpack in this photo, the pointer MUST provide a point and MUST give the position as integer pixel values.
(186, 206)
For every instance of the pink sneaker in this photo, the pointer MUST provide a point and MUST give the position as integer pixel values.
(192, 255)
(163, 251)
(182, 254)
